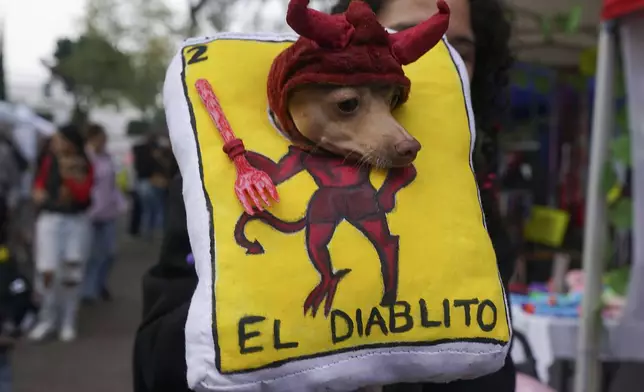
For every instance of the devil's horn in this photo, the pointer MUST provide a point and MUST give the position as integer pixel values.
(326, 30)
(409, 45)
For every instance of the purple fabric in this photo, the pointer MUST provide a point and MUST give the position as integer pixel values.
(190, 259)
(106, 198)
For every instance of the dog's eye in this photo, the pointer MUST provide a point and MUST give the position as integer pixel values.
(348, 105)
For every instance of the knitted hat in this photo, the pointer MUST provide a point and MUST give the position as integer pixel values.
(348, 49)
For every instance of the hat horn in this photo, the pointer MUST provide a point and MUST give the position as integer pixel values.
(326, 30)
(409, 45)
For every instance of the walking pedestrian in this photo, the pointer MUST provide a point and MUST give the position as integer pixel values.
(107, 205)
(146, 163)
(62, 192)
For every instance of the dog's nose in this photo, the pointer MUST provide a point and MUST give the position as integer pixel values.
(408, 148)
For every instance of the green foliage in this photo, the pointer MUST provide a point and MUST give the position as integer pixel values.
(618, 280)
(144, 30)
(121, 55)
(609, 179)
(620, 149)
(564, 22)
(91, 69)
(620, 214)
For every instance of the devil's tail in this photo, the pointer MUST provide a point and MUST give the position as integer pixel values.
(254, 247)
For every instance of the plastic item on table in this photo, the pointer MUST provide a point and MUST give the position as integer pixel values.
(539, 288)
(546, 226)
(528, 384)
(575, 280)
(519, 288)
(613, 299)
(571, 299)
(554, 311)
(519, 299)
(539, 297)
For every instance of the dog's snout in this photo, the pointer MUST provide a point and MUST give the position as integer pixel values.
(408, 148)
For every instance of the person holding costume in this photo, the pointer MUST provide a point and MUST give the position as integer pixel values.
(160, 347)
(480, 32)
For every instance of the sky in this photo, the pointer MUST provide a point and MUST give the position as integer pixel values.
(32, 28)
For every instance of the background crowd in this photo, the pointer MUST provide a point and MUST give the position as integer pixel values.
(61, 254)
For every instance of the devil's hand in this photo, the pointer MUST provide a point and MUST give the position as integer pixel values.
(386, 201)
(259, 161)
(397, 179)
(288, 166)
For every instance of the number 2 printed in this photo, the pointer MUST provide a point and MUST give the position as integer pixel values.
(198, 54)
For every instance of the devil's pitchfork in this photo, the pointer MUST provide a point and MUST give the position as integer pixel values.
(251, 182)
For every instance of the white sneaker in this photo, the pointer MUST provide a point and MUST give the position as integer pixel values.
(41, 331)
(67, 334)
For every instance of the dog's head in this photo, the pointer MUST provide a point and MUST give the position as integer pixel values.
(354, 122)
(336, 87)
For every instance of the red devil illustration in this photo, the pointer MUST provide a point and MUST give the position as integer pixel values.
(347, 50)
(344, 193)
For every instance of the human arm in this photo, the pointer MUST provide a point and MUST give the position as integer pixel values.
(504, 248)
(40, 183)
(159, 348)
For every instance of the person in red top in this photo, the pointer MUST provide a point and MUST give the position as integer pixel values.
(62, 192)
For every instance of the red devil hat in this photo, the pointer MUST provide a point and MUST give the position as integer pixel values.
(349, 49)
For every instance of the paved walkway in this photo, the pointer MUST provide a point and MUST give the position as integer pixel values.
(100, 360)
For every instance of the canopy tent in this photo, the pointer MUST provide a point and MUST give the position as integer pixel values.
(623, 17)
(614, 9)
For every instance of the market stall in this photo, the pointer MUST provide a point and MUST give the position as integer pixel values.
(623, 18)
(582, 324)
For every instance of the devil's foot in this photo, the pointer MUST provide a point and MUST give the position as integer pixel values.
(325, 289)
(389, 298)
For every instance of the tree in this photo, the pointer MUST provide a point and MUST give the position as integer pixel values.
(121, 55)
(92, 70)
(144, 29)
(241, 15)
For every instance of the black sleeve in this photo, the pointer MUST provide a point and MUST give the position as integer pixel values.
(501, 241)
(159, 348)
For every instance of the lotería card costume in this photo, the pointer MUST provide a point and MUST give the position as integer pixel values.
(356, 276)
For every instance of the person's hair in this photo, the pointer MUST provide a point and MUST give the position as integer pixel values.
(492, 64)
(94, 130)
(74, 135)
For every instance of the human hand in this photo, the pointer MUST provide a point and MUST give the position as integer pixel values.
(40, 196)
(64, 195)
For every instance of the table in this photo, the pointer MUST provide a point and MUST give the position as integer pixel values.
(555, 339)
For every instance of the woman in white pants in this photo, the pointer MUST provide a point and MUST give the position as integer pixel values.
(62, 191)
